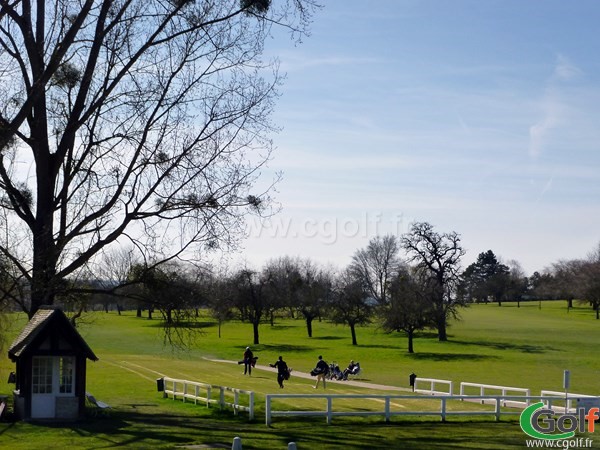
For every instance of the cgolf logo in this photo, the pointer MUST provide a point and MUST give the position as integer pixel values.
(538, 422)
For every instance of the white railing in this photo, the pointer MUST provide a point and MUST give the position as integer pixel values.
(386, 400)
(433, 383)
(207, 393)
(569, 397)
(504, 391)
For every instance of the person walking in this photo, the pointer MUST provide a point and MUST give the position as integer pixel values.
(248, 355)
(282, 371)
(321, 371)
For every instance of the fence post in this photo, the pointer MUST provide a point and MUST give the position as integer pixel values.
(196, 394)
(443, 412)
(236, 397)
(221, 397)
(292, 446)
(268, 410)
(208, 395)
(237, 443)
(251, 401)
(329, 408)
(498, 408)
(387, 409)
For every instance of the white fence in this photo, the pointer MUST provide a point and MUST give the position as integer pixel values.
(504, 392)
(433, 383)
(569, 397)
(496, 400)
(209, 394)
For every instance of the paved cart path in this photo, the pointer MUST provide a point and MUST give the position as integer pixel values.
(296, 373)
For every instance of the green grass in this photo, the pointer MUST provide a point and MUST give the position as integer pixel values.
(522, 347)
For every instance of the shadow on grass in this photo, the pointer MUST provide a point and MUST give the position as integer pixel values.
(217, 430)
(282, 327)
(327, 338)
(525, 348)
(383, 346)
(187, 425)
(188, 324)
(449, 356)
(281, 348)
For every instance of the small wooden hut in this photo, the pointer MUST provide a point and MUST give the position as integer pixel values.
(50, 357)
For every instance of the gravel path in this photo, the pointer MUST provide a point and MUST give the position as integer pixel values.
(362, 384)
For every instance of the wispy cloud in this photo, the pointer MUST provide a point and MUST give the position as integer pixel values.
(565, 70)
(292, 63)
(552, 106)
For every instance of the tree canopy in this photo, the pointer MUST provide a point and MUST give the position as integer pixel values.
(138, 122)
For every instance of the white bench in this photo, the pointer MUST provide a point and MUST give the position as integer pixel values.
(97, 404)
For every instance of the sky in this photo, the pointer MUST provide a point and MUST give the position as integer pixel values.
(479, 117)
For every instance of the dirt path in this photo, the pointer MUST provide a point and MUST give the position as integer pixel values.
(362, 384)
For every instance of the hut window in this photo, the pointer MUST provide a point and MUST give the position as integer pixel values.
(42, 375)
(66, 375)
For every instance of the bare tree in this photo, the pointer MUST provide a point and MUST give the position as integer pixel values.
(251, 298)
(220, 297)
(314, 293)
(410, 308)
(518, 281)
(349, 303)
(438, 257)
(301, 285)
(376, 265)
(140, 120)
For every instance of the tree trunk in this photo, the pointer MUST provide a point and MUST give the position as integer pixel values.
(353, 332)
(410, 341)
(309, 326)
(255, 329)
(43, 286)
(441, 327)
(45, 254)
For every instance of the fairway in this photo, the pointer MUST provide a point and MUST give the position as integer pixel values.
(526, 347)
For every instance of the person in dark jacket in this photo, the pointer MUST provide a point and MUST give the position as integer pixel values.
(248, 355)
(320, 371)
(282, 371)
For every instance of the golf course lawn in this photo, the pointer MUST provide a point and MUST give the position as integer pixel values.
(526, 347)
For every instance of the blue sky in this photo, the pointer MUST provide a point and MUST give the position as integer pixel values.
(480, 117)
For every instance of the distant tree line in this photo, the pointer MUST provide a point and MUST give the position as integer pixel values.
(406, 284)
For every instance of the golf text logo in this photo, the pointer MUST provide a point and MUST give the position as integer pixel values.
(537, 422)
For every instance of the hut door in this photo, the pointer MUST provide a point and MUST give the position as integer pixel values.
(42, 396)
(53, 376)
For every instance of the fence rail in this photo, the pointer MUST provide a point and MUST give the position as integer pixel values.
(433, 383)
(496, 400)
(504, 391)
(209, 394)
(568, 398)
